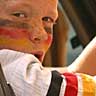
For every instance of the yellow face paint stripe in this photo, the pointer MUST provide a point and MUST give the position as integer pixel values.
(15, 43)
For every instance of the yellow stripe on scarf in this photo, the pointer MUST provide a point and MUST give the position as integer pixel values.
(89, 85)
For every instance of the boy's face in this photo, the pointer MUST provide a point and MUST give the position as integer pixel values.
(26, 25)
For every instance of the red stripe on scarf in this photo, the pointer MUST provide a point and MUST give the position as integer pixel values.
(71, 84)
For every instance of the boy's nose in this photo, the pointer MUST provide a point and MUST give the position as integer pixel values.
(38, 33)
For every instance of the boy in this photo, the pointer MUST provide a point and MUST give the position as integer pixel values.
(25, 36)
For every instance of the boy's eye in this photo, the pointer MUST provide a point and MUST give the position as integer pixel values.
(19, 14)
(48, 19)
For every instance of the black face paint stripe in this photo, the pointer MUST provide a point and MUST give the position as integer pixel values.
(9, 23)
(55, 86)
(14, 24)
(49, 30)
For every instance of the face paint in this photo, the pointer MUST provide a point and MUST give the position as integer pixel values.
(13, 33)
(49, 30)
(15, 30)
(48, 41)
(9, 23)
(50, 35)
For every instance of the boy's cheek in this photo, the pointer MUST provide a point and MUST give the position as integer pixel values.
(48, 42)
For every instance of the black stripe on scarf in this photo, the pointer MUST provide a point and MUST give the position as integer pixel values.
(55, 86)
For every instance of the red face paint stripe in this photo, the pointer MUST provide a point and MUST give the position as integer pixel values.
(49, 40)
(72, 84)
(13, 33)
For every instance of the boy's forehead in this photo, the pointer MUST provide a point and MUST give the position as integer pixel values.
(45, 6)
(33, 1)
(46, 3)
(36, 2)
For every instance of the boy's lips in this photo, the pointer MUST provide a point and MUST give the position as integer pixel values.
(38, 55)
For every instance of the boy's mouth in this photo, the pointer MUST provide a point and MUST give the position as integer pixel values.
(38, 55)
